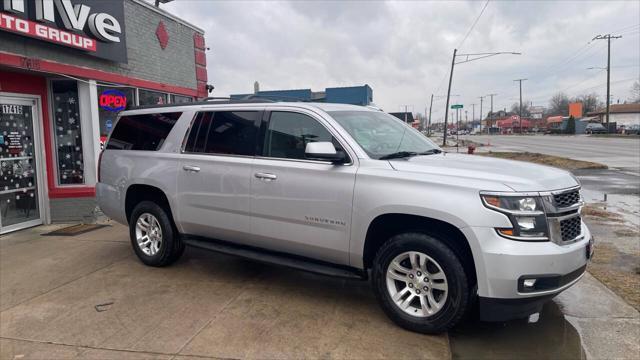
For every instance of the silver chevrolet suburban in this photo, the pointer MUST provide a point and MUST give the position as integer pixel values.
(346, 191)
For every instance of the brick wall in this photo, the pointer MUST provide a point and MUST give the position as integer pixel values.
(174, 65)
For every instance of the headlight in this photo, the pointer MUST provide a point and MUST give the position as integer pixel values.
(526, 214)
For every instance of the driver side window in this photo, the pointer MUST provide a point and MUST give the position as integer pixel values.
(288, 134)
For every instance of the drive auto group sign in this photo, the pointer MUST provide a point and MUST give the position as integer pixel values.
(92, 26)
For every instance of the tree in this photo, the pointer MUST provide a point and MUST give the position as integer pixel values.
(571, 126)
(526, 111)
(635, 93)
(590, 102)
(559, 104)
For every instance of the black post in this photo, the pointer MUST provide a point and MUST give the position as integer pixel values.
(446, 110)
(608, 77)
(481, 98)
(457, 128)
(520, 106)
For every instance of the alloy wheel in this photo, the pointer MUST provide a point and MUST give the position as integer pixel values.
(417, 284)
(148, 234)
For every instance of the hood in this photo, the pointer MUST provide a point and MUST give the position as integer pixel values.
(518, 175)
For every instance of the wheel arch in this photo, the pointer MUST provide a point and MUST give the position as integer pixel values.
(143, 192)
(384, 226)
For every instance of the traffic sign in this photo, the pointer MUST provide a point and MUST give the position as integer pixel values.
(457, 106)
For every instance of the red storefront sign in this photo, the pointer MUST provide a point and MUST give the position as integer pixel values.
(44, 32)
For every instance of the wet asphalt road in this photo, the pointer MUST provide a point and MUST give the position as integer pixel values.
(617, 152)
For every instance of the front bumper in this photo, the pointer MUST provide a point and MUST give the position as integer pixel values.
(502, 265)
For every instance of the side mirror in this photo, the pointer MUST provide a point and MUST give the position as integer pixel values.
(324, 151)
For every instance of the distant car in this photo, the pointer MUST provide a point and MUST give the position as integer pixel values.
(632, 130)
(595, 128)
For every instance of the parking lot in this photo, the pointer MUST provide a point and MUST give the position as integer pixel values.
(87, 296)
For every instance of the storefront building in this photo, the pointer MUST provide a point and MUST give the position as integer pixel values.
(67, 67)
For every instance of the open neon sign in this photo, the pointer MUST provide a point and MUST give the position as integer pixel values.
(113, 100)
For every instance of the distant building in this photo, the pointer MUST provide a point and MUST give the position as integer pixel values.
(406, 117)
(621, 114)
(537, 112)
(355, 95)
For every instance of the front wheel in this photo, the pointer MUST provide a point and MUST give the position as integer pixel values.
(420, 283)
(153, 236)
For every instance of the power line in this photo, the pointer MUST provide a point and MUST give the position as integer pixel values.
(462, 42)
(474, 24)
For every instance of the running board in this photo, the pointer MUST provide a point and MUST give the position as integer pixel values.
(268, 257)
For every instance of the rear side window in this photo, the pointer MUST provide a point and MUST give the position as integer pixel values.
(142, 132)
(224, 132)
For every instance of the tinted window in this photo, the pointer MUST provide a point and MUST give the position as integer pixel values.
(288, 134)
(224, 132)
(142, 132)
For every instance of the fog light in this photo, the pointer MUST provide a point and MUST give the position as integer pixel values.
(529, 283)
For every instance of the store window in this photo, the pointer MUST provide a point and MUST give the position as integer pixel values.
(179, 99)
(112, 100)
(148, 97)
(68, 132)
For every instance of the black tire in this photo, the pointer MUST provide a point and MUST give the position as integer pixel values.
(458, 298)
(171, 247)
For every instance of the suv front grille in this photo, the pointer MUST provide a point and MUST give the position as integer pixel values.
(570, 228)
(566, 199)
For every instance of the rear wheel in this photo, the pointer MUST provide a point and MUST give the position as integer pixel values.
(153, 236)
(420, 283)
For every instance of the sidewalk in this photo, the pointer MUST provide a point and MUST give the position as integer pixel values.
(89, 297)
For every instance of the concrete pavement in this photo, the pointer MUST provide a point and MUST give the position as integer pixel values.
(89, 297)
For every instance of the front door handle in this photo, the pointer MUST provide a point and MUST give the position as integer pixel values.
(191, 168)
(266, 176)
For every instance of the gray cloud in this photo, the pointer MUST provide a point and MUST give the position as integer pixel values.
(403, 49)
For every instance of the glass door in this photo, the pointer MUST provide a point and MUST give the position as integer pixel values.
(20, 201)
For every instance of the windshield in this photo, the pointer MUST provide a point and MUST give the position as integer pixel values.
(381, 134)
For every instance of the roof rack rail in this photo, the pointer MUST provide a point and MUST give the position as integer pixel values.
(275, 98)
(205, 101)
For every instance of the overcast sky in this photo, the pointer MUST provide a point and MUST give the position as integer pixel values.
(403, 49)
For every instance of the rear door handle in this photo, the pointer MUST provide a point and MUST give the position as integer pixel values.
(266, 176)
(191, 168)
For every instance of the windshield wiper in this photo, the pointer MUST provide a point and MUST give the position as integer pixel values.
(398, 155)
(405, 154)
(431, 152)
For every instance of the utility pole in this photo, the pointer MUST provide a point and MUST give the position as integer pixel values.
(446, 113)
(520, 81)
(491, 117)
(473, 112)
(429, 120)
(608, 37)
(481, 98)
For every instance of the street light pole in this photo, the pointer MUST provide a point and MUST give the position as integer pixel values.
(446, 113)
(468, 58)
